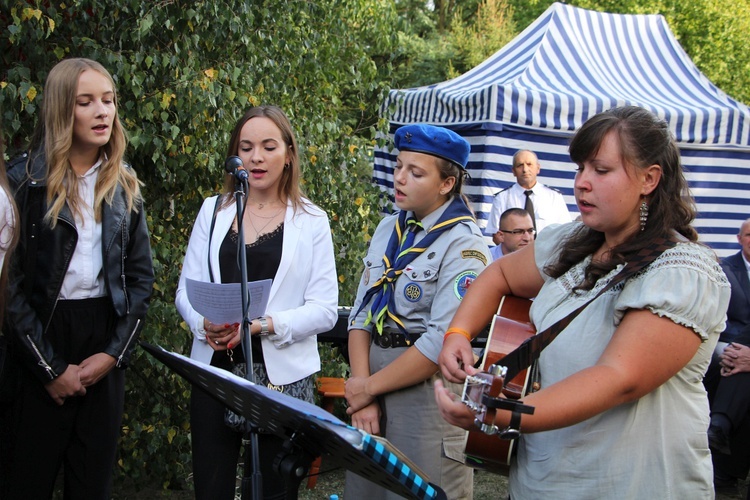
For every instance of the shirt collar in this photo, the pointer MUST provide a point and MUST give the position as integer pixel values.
(522, 189)
(92, 171)
(433, 217)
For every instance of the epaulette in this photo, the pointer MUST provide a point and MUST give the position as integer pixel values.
(18, 160)
(16, 169)
(502, 190)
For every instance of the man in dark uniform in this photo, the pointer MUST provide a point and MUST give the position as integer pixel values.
(728, 378)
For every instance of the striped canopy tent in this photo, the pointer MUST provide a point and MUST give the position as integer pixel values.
(568, 65)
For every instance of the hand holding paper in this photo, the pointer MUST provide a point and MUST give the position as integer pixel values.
(222, 302)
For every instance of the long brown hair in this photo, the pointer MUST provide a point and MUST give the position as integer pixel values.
(54, 133)
(645, 140)
(289, 183)
(6, 246)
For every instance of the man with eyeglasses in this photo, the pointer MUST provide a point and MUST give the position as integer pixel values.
(545, 205)
(516, 231)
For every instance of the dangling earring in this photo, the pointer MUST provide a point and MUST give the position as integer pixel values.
(287, 165)
(643, 214)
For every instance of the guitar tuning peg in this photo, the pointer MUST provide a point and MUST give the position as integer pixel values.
(498, 370)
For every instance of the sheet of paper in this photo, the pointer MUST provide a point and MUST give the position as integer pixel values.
(222, 302)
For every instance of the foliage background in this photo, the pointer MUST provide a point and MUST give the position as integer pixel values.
(186, 70)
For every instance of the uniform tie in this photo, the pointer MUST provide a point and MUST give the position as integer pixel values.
(413, 226)
(530, 206)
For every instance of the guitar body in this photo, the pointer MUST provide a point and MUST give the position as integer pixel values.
(510, 327)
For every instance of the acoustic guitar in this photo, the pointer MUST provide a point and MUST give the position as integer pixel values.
(510, 327)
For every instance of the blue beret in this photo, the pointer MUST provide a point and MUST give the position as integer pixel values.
(435, 141)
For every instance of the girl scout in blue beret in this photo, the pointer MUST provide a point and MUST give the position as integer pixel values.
(420, 262)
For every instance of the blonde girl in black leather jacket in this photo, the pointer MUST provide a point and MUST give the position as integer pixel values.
(79, 290)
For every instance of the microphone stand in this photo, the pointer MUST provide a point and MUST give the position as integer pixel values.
(252, 480)
(292, 462)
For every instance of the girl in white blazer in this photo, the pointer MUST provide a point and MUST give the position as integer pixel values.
(296, 238)
(304, 294)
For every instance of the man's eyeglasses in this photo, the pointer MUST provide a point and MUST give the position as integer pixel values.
(519, 232)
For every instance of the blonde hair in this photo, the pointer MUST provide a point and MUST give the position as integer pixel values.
(55, 132)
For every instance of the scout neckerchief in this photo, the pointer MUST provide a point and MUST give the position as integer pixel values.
(399, 253)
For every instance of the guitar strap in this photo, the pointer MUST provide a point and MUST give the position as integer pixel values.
(525, 354)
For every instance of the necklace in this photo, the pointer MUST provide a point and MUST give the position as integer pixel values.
(262, 204)
(268, 221)
(258, 231)
(267, 216)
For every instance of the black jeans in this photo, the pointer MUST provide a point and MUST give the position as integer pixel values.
(216, 450)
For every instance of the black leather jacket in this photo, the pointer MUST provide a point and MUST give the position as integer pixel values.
(127, 267)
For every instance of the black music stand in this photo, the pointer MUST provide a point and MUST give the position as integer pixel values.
(309, 430)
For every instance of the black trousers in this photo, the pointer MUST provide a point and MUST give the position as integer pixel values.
(81, 435)
(216, 450)
(730, 396)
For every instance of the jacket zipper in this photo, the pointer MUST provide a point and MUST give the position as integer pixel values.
(59, 286)
(42, 362)
(127, 344)
(122, 269)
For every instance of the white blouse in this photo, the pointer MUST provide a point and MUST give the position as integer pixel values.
(85, 278)
(7, 224)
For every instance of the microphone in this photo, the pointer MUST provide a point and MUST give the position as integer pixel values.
(233, 165)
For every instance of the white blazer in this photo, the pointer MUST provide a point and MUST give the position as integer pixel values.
(304, 294)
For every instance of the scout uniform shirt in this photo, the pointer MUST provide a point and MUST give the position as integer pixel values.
(431, 287)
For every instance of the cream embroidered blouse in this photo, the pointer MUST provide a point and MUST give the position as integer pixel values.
(655, 447)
